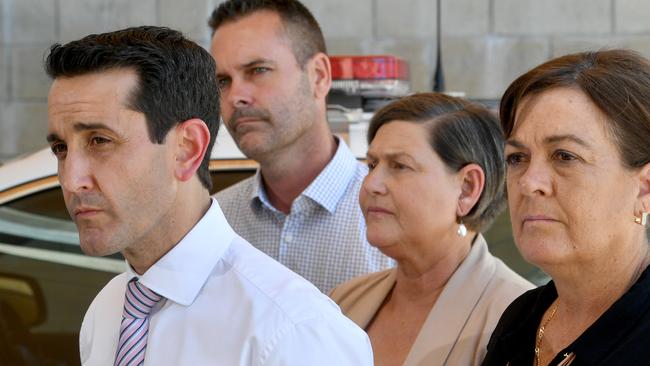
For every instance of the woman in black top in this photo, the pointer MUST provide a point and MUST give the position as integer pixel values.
(578, 181)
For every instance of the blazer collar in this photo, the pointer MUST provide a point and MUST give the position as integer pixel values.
(455, 304)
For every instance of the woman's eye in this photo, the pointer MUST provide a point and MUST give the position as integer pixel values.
(564, 156)
(399, 166)
(371, 165)
(514, 159)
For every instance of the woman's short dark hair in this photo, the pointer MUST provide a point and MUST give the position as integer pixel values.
(617, 81)
(300, 26)
(176, 77)
(461, 133)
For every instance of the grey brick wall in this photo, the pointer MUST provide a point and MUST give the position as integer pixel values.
(533, 17)
(81, 17)
(631, 16)
(485, 43)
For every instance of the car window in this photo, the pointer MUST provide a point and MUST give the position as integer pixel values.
(47, 203)
(42, 265)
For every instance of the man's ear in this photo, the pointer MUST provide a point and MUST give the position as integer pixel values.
(320, 74)
(472, 181)
(193, 138)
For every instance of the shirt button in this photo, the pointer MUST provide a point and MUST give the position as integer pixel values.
(288, 238)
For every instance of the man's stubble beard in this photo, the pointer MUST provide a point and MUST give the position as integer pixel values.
(283, 127)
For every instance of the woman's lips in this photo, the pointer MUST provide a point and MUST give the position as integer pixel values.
(538, 219)
(378, 211)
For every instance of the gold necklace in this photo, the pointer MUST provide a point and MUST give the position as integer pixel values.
(540, 334)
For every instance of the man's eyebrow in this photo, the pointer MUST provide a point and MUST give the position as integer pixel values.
(248, 65)
(81, 126)
(255, 62)
(52, 137)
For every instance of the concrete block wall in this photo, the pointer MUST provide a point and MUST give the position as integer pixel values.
(485, 43)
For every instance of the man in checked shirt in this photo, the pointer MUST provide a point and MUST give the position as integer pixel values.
(301, 207)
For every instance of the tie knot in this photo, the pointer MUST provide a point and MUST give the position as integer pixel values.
(139, 300)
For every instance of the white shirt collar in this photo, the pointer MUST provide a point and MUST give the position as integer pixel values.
(181, 273)
(328, 187)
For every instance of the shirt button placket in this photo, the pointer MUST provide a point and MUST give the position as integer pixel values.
(286, 239)
(281, 247)
(289, 232)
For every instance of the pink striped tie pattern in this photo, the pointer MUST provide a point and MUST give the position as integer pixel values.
(138, 302)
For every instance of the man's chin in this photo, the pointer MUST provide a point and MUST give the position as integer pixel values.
(96, 247)
(95, 252)
(252, 150)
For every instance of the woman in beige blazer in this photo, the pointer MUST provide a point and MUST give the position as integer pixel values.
(436, 180)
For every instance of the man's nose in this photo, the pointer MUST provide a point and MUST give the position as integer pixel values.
(75, 173)
(240, 93)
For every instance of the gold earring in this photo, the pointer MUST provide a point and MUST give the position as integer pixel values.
(643, 220)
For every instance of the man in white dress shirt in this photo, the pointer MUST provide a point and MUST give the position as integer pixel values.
(132, 116)
(302, 206)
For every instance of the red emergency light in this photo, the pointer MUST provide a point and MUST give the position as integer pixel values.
(375, 67)
(371, 76)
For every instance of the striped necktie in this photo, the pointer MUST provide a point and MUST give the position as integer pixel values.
(138, 302)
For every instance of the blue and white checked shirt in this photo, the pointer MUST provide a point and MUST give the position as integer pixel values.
(324, 237)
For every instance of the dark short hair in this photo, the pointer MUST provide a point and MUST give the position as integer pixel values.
(617, 81)
(176, 77)
(299, 24)
(461, 133)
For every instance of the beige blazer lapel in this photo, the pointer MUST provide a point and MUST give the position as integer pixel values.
(361, 298)
(448, 317)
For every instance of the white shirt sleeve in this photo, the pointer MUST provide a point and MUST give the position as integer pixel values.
(321, 341)
(85, 334)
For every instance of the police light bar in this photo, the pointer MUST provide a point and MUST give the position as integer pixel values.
(370, 76)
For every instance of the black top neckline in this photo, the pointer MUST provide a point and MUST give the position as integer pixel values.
(514, 337)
